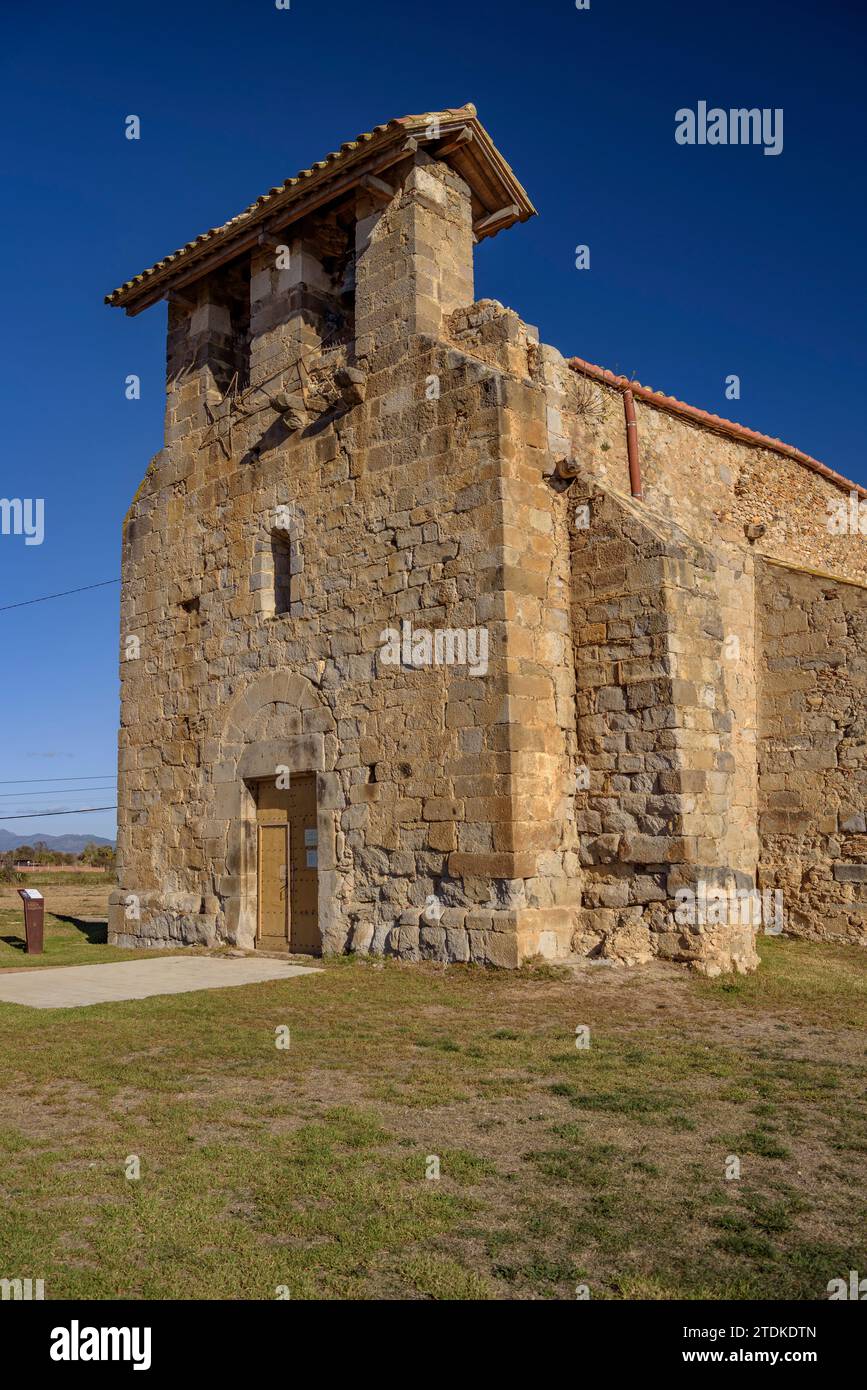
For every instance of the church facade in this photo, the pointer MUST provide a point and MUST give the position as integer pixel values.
(439, 644)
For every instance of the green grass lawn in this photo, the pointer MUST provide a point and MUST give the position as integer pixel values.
(305, 1168)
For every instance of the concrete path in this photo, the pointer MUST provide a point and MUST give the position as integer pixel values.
(72, 986)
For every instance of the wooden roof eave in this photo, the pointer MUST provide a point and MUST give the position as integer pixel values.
(492, 181)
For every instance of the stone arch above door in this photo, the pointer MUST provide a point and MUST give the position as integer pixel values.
(275, 704)
(280, 721)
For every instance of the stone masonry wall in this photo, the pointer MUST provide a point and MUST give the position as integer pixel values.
(813, 750)
(394, 447)
(708, 488)
(659, 794)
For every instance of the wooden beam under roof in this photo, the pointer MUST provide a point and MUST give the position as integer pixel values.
(463, 137)
(511, 213)
(378, 189)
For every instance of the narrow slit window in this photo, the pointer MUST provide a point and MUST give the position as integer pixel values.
(281, 551)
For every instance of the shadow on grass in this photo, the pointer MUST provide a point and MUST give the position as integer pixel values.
(94, 932)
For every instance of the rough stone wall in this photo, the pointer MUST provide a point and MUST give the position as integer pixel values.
(655, 734)
(376, 502)
(813, 750)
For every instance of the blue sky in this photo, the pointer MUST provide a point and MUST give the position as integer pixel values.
(704, 261)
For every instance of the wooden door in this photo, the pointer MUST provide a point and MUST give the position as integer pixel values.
(288, 875)
(272, 816)
(304, 866)
(273, 897)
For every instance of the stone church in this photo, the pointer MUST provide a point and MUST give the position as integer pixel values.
(438, 644)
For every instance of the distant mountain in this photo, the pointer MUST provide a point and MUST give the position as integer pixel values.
(64, 844)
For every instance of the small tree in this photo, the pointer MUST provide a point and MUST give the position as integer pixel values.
(101, 855)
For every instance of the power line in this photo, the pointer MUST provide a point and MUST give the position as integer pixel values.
(82, 811)
(56, 791)
(91, 777)
(63, 594)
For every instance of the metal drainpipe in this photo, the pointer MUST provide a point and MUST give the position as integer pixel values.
(632, 444)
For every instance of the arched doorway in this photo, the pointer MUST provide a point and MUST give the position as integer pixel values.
(278, 749)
